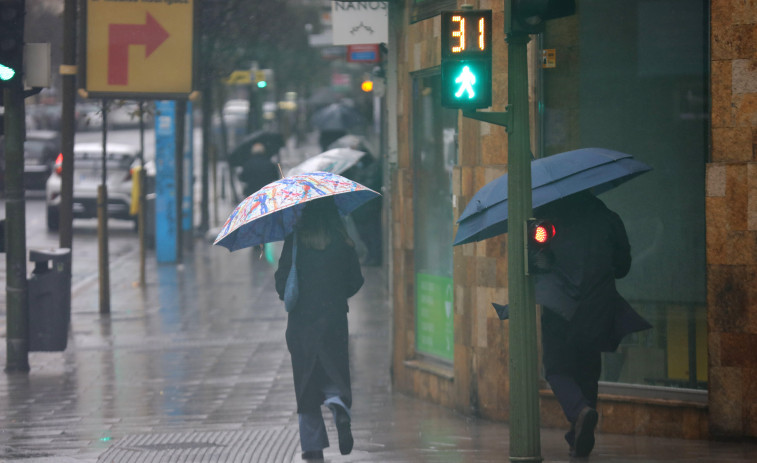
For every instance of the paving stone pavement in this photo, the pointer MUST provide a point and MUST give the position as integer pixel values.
(194, 368)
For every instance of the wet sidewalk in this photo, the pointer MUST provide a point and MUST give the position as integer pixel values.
(194, 368)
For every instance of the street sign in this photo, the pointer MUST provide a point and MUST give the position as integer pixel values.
(466, 59)
(139, 48)
(365, 53)
(356, 23)
(239, 78)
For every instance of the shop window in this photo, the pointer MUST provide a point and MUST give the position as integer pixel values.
(434, 135)
(640, 79)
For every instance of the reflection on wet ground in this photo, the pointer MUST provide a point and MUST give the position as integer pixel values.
(195, 368)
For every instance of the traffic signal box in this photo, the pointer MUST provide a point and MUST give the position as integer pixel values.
(467, 59)
(539, 235)
(11, 40)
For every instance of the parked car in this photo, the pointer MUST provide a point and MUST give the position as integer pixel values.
(121, 159)
(41, 148)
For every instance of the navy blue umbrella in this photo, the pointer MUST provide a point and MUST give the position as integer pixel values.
(552, 178)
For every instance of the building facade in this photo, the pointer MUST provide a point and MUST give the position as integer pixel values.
(672, 82)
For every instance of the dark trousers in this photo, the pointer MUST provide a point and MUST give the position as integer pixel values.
(572, 367)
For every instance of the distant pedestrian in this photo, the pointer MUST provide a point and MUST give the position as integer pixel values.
(583, 314)
(258, 170)
(327, 274)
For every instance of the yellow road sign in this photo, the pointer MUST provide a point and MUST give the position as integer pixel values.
(139, 46)
(239, 78)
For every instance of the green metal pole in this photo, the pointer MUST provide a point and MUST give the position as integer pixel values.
(525, 445)
(16, 289)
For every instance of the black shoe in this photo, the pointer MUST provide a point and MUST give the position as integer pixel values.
(344, 430)
(312, 455)
(585, 424)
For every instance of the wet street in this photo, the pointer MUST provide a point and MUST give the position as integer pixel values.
(194, 367)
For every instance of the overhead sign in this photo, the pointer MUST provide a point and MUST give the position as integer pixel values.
(357, 23)
(138, 48)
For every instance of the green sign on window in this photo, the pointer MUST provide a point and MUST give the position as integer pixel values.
(434, 320)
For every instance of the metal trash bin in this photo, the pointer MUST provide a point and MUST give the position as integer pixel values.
(49, 290)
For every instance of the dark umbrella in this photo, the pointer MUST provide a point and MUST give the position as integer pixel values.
(324, 96)
(552, 178)
(356, 142)
(336, 117)
(272, 141)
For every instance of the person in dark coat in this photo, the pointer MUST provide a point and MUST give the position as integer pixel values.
(583, 314)
(258, 170)
(328, 273)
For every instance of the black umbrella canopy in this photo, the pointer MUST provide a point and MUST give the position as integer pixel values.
(336, 116)
(272, 141)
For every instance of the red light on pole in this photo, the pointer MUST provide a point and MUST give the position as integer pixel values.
(539, 235)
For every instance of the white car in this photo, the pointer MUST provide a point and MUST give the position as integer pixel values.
(121, 160)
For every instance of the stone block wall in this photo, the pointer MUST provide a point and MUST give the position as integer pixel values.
(731, 205)
(477, 382)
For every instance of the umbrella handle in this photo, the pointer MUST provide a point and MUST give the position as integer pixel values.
(281, 174)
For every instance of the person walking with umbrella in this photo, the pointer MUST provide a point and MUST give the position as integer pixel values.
(320, 260)
(583, 314)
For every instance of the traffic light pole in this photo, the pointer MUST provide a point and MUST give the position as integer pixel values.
(16, 288)
(525, 438)
(17, 322)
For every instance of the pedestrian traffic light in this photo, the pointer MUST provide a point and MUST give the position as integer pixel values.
(11, 40)
(529, 15)
(467, 59)
(540, 234)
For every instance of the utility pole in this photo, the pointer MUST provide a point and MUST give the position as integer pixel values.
(68, 93)
(16, 288)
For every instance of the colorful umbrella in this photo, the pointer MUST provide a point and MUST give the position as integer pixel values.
(270, 213)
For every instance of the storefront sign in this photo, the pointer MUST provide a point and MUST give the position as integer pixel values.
(360, 22)
(434, 320)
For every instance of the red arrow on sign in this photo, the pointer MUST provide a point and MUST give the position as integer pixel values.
(120, 36)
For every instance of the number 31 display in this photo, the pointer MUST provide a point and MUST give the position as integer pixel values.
(466, 59)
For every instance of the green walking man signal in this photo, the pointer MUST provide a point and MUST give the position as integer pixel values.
(11, 40)
(466, 59)
(466, 80)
